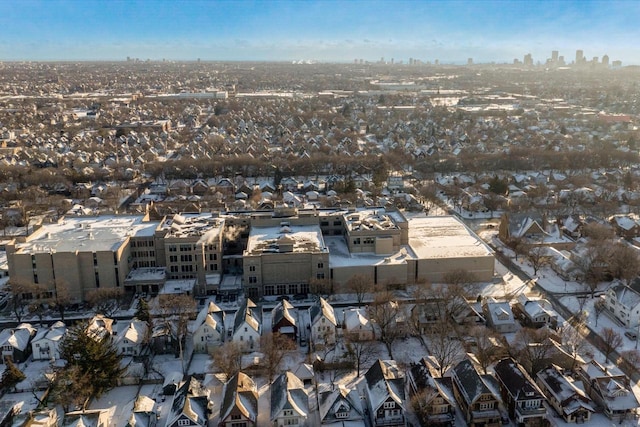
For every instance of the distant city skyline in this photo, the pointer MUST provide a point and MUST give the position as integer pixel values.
(327, 31)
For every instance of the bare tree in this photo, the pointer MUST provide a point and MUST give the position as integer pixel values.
(624, 263)
(384, 313)
(361, 352)
(444, 345)
(598, 307)
(274, 346)
(23, 294)
(319, 287)
(105, 301)
(611, 340)
(574, 342)
(176, 310)
(537, 257)
(532, 348)
(359, 284)
(61, 298)
(486, 346)
(228, 359)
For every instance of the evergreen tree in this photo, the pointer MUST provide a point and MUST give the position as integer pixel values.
(142, 311)
(11, 375)
(91, 357)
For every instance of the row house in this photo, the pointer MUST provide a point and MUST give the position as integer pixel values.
(46, 343)
(247, 326)
(239, 405)
(610, 389)
(283, 320)
(434, 394)
(339, 407)
(564, 396)
(289, 401)
(322, 323)
(384, 393)
(209, 329)
(15, 343)
(624, 303)
(520, 394)
(190, 407)
(477, 401)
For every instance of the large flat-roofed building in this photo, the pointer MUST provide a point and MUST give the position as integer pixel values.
(424, 249)
(282, 259)
(82, 254)
(442, 244)
(192, 248)
(271, 252)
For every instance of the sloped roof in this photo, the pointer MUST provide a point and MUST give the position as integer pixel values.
(240, 392)
(282, 311)
(322, 308)
(384, 380)
(516, 380)
(471, 383)
(331, 401)
(248, 313)
(287, 392)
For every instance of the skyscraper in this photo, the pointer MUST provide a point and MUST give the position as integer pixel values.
(579, 57)
(605, 60)
(554, 56)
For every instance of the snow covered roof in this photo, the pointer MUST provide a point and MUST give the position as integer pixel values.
(247, 313)
(444, 237)
(287, 392)
(384, 380)
(322, 308)
(355, 318)
(17, 337)
(304, 238)
(564, 390)
(340, 399)
(471, 383)
(104, 233)
(625, 295)
(240, 392)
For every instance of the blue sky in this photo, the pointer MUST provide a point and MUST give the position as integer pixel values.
(450, 31)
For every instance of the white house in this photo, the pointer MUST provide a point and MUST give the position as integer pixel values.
(247, 326)
(499, 316)
(624, 304)
(132, 340)
(357, 324)
(323, 323)
(339, 407)
(208, 329)
(289, 401)
(46, 344)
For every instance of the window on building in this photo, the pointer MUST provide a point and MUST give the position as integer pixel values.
(252, 268)
(389, 405)
(269, 290)
(319, 275)
(183, 423)
(172, 248)
(293, 289)
(253, 279)
(304, 288)
(281, 289)
(173, 258)
(320, 265)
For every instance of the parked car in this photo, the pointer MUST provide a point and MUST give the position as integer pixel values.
(632, 335)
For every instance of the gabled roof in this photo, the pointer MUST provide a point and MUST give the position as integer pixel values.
(322, 308)
(340, 398)
(240, 392)
(287, 392)
(190, 400)
(283, 311)
(517, 382)
(472, 386)
(384, 380)
(625, 295)
(247, 312)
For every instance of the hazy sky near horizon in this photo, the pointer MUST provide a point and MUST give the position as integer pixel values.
(344, 30)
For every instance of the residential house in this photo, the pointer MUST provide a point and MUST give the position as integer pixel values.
(340, 407)
(190, 405)
(144, 413)
(289, 401)
(521, 395)
(626, 225)
(305, 372)
(323, 323)
(435, 394)
(46, 343)
(42, 418)
(535, 313)
(568, 400)
(478, 403)
(624, 303)
(16, 342)
(426, 313)
(93, 418)
(383, 391)
(357, 325)
(208, 329)
(499, 316)
(133, 340)
(239, 405)
(247, 326)
(610, 389)
(283, 319)
(100, 327)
